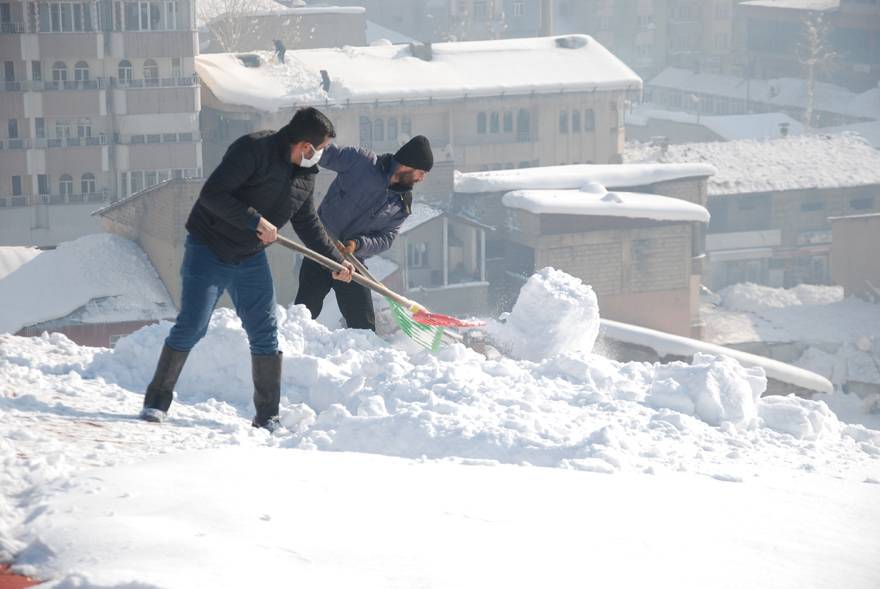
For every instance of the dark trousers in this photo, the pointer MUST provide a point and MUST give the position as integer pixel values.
(355, 301)
(249, 283)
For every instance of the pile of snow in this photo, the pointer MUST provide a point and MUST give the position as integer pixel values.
(103, 277)
(751, 297)
(802, 162)
(715, 390)
(554, 313)
(12, 257)
(727, 127)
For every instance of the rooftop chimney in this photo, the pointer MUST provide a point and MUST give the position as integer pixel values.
(325, 81)
(547, 26)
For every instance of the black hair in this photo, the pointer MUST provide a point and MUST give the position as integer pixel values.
(309, 124)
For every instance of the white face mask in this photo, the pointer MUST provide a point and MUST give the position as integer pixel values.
(312, 161)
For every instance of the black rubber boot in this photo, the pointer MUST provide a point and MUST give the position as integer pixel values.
(160, 391)
(267, 389)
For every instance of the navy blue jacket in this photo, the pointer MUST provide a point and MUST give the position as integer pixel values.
(359, 204)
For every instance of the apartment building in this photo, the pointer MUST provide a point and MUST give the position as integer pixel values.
(650, 35)
(470, 99)
(461, 20)
(99, 100)
(774, 39)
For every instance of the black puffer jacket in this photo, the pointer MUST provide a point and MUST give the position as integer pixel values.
(256, 173)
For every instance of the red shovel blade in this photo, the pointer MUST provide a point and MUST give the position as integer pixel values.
(439, 320)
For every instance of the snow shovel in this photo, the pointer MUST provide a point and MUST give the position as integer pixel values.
(419, 313)
(425, 335)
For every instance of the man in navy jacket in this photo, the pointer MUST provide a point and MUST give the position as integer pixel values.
(365, 206)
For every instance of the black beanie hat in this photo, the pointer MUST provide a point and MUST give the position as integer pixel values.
(416, 153)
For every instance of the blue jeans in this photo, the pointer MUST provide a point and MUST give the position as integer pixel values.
(249, 283)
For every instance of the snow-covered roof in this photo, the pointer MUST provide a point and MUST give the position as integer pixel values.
(392, 72)
(821, 5)
(781, 92)
(208, 10)
(577, 176)
(665, 344)
(421, 214)
(381, 268)
(105, 276)
(728, 127)
(791, 163)
(597, 202)
(13, 257)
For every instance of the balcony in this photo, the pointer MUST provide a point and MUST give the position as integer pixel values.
(180, 82)
(11, 27)
(54, 199)
(41, 85)
(17, 143)
(53, 143)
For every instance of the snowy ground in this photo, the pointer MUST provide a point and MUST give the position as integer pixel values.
(834, 336)
(448, 470)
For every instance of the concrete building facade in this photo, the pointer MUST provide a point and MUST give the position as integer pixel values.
(99, 100)
(854, 240)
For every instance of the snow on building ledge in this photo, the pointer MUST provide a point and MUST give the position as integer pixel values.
(666, 345)
(605, 204)
(572, 63)
(421, 214)
(577, 176)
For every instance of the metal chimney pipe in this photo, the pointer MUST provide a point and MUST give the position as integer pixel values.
(547, 26)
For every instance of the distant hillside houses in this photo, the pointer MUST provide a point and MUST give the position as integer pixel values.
(771, 201)
(484, 105)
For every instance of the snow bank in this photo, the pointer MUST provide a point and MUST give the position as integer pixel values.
(801, 418)
(554, 313)
(79, 273)
(13, 257)
(752, 297)
(714, 389)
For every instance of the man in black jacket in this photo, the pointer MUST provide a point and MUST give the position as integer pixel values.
(265, 179)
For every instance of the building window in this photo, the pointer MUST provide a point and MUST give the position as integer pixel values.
(480, 10)
(481, 123)
(563, 122)
(59, 72)
(519, 8)
(87, 184)
(523, 124)
(42, 183)
(378, 130)
(807, 207)
(62, 129)
(171, 16)
(12, 128)
(151, 73)
(65, 184)
(65, 17)
(862, 204)
(392, 129)
(137, 181)
(416, 255)
(366, 132)
(81, 71)
(40, 128)
(84, 128)
(508, 122)
(406, 126)
(175, 68)
(149, 16)
(16, 186)
(494, 122)
(125, 72)
(36, 71)
(575, 121)
(589, 120)
(8, 71)
(612, 108)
